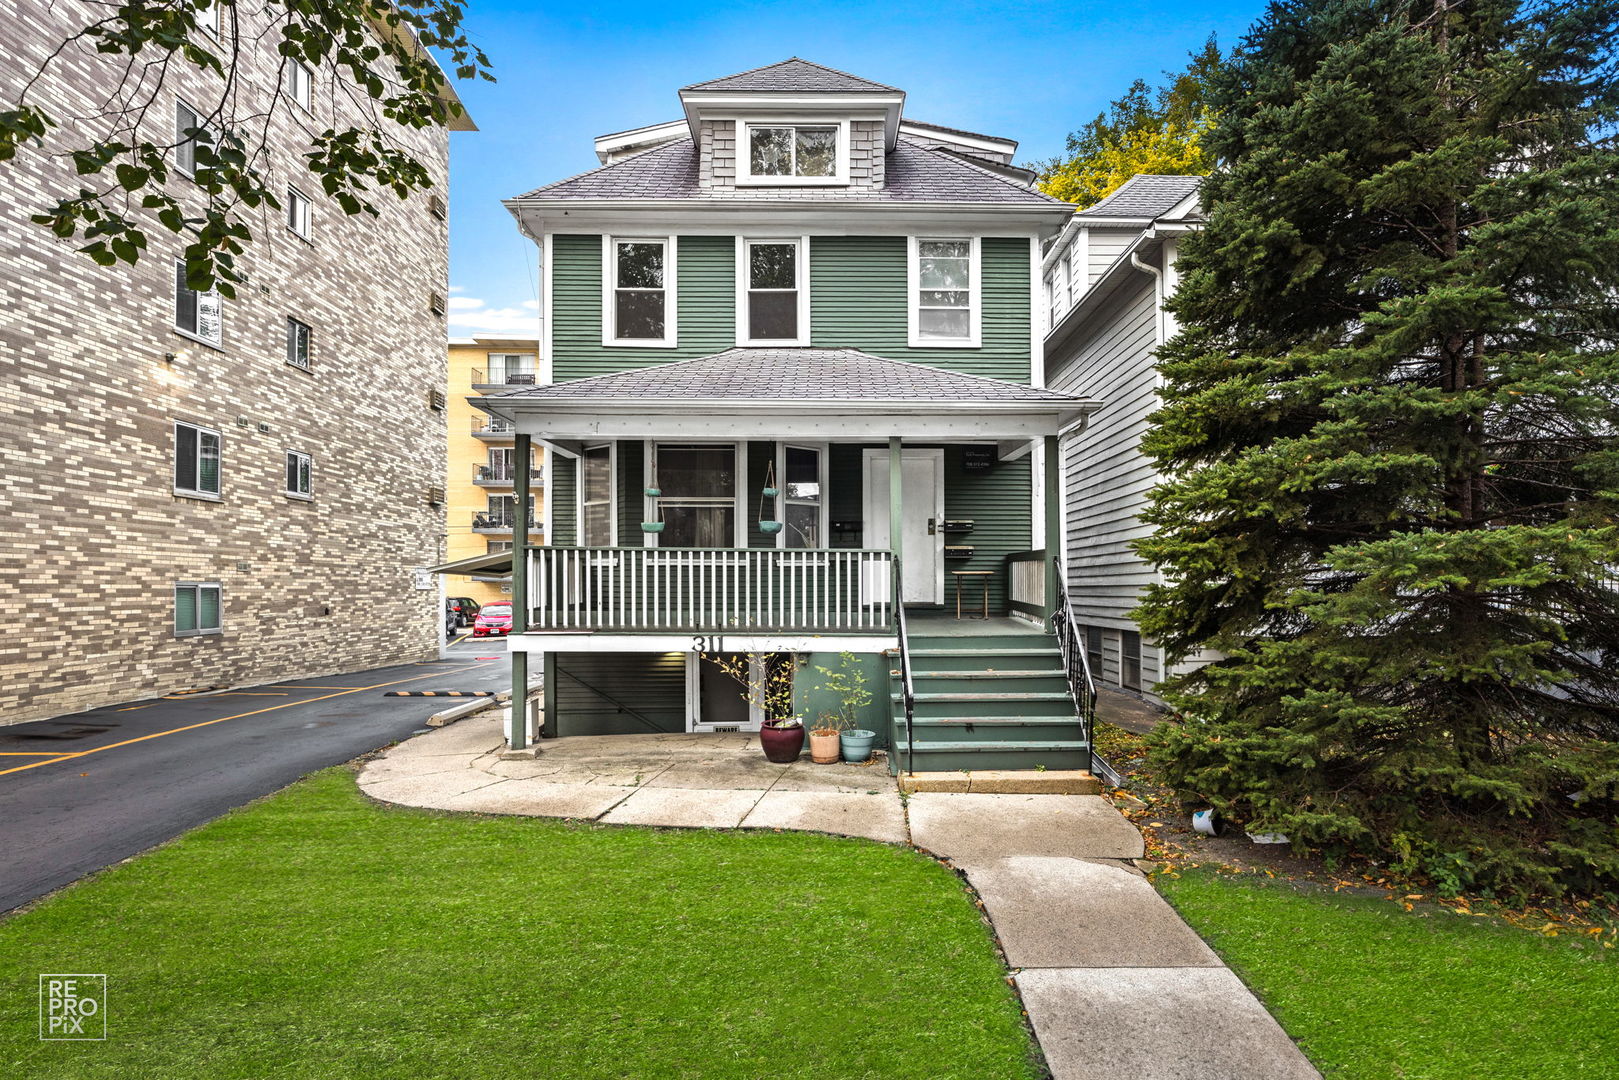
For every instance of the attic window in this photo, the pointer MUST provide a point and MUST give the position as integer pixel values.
(773, 153)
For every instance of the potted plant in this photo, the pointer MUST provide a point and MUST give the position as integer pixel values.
(781, 735)
(848, 682)
(823, 739)
(768, 526)
(652, 492)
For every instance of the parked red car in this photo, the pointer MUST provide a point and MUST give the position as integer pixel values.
(492, 619)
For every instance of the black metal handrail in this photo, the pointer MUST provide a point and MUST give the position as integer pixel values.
(1076, 664)
(906, 690)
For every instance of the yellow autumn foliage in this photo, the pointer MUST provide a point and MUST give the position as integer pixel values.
(1171, 150)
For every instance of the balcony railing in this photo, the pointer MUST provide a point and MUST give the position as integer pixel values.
(502, 378)
(503, 476)
(711, 590)
(487, 522)
(493, 425)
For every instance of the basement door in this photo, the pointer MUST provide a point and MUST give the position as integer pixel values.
(922, 509)
(714, 700)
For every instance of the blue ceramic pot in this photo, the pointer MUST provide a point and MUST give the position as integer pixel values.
(856, 744)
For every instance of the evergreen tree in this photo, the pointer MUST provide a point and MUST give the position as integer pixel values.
(1145, 131)
(1388, 436)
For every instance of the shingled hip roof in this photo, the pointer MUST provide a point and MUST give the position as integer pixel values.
(793, 75)
(1147, 196)
(801, 387)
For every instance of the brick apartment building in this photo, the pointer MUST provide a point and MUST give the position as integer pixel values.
(202, 492)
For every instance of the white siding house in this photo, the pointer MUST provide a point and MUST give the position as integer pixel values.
(1101, 344)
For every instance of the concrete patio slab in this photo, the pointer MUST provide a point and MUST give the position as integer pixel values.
(1156, 1024)
(1061, 912)
(876, 817)
(979, 827)
(472, 736)
(395, 767)
(538, 798)
(683, 807)
(431, 790)
(857, 779)
(736, 774)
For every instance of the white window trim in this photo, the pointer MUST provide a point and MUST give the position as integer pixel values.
(649, 504)
(489, 367)
(975, 286)
(192, 335)
(309, 335)
(196, 114)
(612, 492)
(209, 18)
(671, 308)
(308, 103)
(198, 585)
(174, 450)
(825, 507)
(306, 496)
(295, 197)
(744, 159)
(801, 265)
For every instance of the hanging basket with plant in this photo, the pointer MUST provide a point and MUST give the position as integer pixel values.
(769, 526)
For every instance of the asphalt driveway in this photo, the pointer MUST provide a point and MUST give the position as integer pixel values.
(81, 792)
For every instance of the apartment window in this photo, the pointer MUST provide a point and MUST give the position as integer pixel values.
(299, 482)
(298, 336)
(640, 277)
(196, 608)
(511, 368)
(300, 84)
(944, 283)
(196, 461)
(208, 16)
(596, 465)
(497, 546)
(1130, 659)
(803, 505)
(699, 495)
(792, 153)
(298, 212)
(189, 133)
(1093, 650)
(773, 275)
(502, 467)
(196, 314)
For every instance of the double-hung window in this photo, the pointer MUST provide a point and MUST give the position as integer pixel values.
(196, 608)
(697, 504)
(189, 133)
(300, 84)
(298, 337)
(596, 465)
(798, 154)
(1130, 659)
(196, 314)
(803, 498)
(299, 213)
(946, 300)
(640, 301)
(196, 461)
(300, 483)
(772, 308)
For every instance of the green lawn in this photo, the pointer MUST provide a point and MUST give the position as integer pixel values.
(1373, 992)
(316, 934)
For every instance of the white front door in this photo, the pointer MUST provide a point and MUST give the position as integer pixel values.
(921, 525)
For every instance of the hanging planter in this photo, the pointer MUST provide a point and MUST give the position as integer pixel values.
(652, 492)
(652, 526)
(768, 526)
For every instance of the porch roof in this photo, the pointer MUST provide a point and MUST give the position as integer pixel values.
(792, 392)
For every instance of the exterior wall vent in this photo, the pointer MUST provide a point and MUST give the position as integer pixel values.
(436, 400)
(435, 496)
(435, 302)
(435, 206)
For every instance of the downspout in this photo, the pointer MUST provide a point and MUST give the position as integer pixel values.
(1157, 296)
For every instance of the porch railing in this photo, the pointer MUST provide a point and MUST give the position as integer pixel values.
(1081, 682)
(1026, 583)
(711, 590)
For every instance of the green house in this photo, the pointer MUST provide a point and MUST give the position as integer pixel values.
(791, 398)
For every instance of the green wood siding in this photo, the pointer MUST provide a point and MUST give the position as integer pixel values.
(619, 693)
(857, 298)
(631, 492)
(705, 274)
(559, 492)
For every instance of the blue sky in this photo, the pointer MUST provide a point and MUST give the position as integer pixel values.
(1030, 70)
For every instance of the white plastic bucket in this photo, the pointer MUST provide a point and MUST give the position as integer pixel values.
(1206, 822)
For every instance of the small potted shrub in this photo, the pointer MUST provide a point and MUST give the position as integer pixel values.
(823, 739)
(781, 735)
(782, 740)
(848, 682)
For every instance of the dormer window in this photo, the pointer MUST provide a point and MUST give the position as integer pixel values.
(792, 153)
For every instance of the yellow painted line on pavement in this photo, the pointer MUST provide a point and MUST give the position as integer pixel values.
(285, 686)
(36, 753)
(220, 720)
(254, 693)
(132, 708)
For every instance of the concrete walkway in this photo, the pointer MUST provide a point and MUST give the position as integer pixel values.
(1115, 984)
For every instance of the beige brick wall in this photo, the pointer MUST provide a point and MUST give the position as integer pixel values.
(92, 539)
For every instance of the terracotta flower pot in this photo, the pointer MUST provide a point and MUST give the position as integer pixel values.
(781, 745)
(824, 747)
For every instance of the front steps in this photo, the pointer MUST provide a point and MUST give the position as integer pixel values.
(990, 707)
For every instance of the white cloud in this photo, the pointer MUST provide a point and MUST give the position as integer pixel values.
(470, 315)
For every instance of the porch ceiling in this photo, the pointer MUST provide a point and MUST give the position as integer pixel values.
(789, 393)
